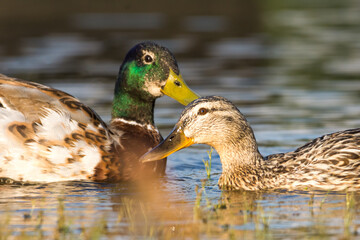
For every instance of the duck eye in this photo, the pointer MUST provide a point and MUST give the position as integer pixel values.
(148, 59)
(202, 111)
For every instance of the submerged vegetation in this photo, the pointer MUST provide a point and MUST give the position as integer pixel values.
(232, 215)
(207, 163)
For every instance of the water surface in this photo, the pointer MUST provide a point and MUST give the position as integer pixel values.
(292, 68)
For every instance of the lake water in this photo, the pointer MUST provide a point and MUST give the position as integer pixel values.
(293, 68)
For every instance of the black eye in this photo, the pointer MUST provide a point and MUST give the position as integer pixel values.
(202, 111)
(148, 59)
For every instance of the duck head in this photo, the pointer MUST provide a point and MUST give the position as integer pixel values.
(150, 71)
(209, 120)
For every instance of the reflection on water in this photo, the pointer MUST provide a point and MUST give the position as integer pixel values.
(86, 209)
(50, 54)
(133, 21)
(291, 68)
(205, 23)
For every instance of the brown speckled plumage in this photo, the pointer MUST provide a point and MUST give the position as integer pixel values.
(330, 162)
(119, 145)
(48, 135)
(34, 102)
(121, 165)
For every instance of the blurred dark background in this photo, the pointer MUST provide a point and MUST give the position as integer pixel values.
(287, 54)
(107, 29)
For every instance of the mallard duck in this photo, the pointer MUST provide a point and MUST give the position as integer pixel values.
(330, 162)
(48, 135)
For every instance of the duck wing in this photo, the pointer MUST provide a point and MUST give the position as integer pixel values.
(48, 135)
(328, 162)
(32, 98)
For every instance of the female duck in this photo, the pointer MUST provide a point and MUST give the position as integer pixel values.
(331, 162)
(48, 135)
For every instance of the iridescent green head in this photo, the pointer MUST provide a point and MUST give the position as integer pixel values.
(149, 71)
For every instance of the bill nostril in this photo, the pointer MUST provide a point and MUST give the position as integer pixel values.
(177, 83)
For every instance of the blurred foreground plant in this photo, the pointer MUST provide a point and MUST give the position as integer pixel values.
(207, 163)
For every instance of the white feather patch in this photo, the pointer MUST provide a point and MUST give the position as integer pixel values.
(37, 161)
(55, 125)
(8, 116)
(58, 154)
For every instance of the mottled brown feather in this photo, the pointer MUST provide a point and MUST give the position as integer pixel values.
(330, 162)
(120, 145)
(137, 141)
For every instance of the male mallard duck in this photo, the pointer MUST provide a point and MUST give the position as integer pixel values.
(48, 135)
(330, 162)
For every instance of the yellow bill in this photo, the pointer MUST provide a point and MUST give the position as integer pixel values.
(174, 142)
(177, 89)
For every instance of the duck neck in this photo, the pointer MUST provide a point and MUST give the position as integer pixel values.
(132, 108)
(247, 157)
(243, 167)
